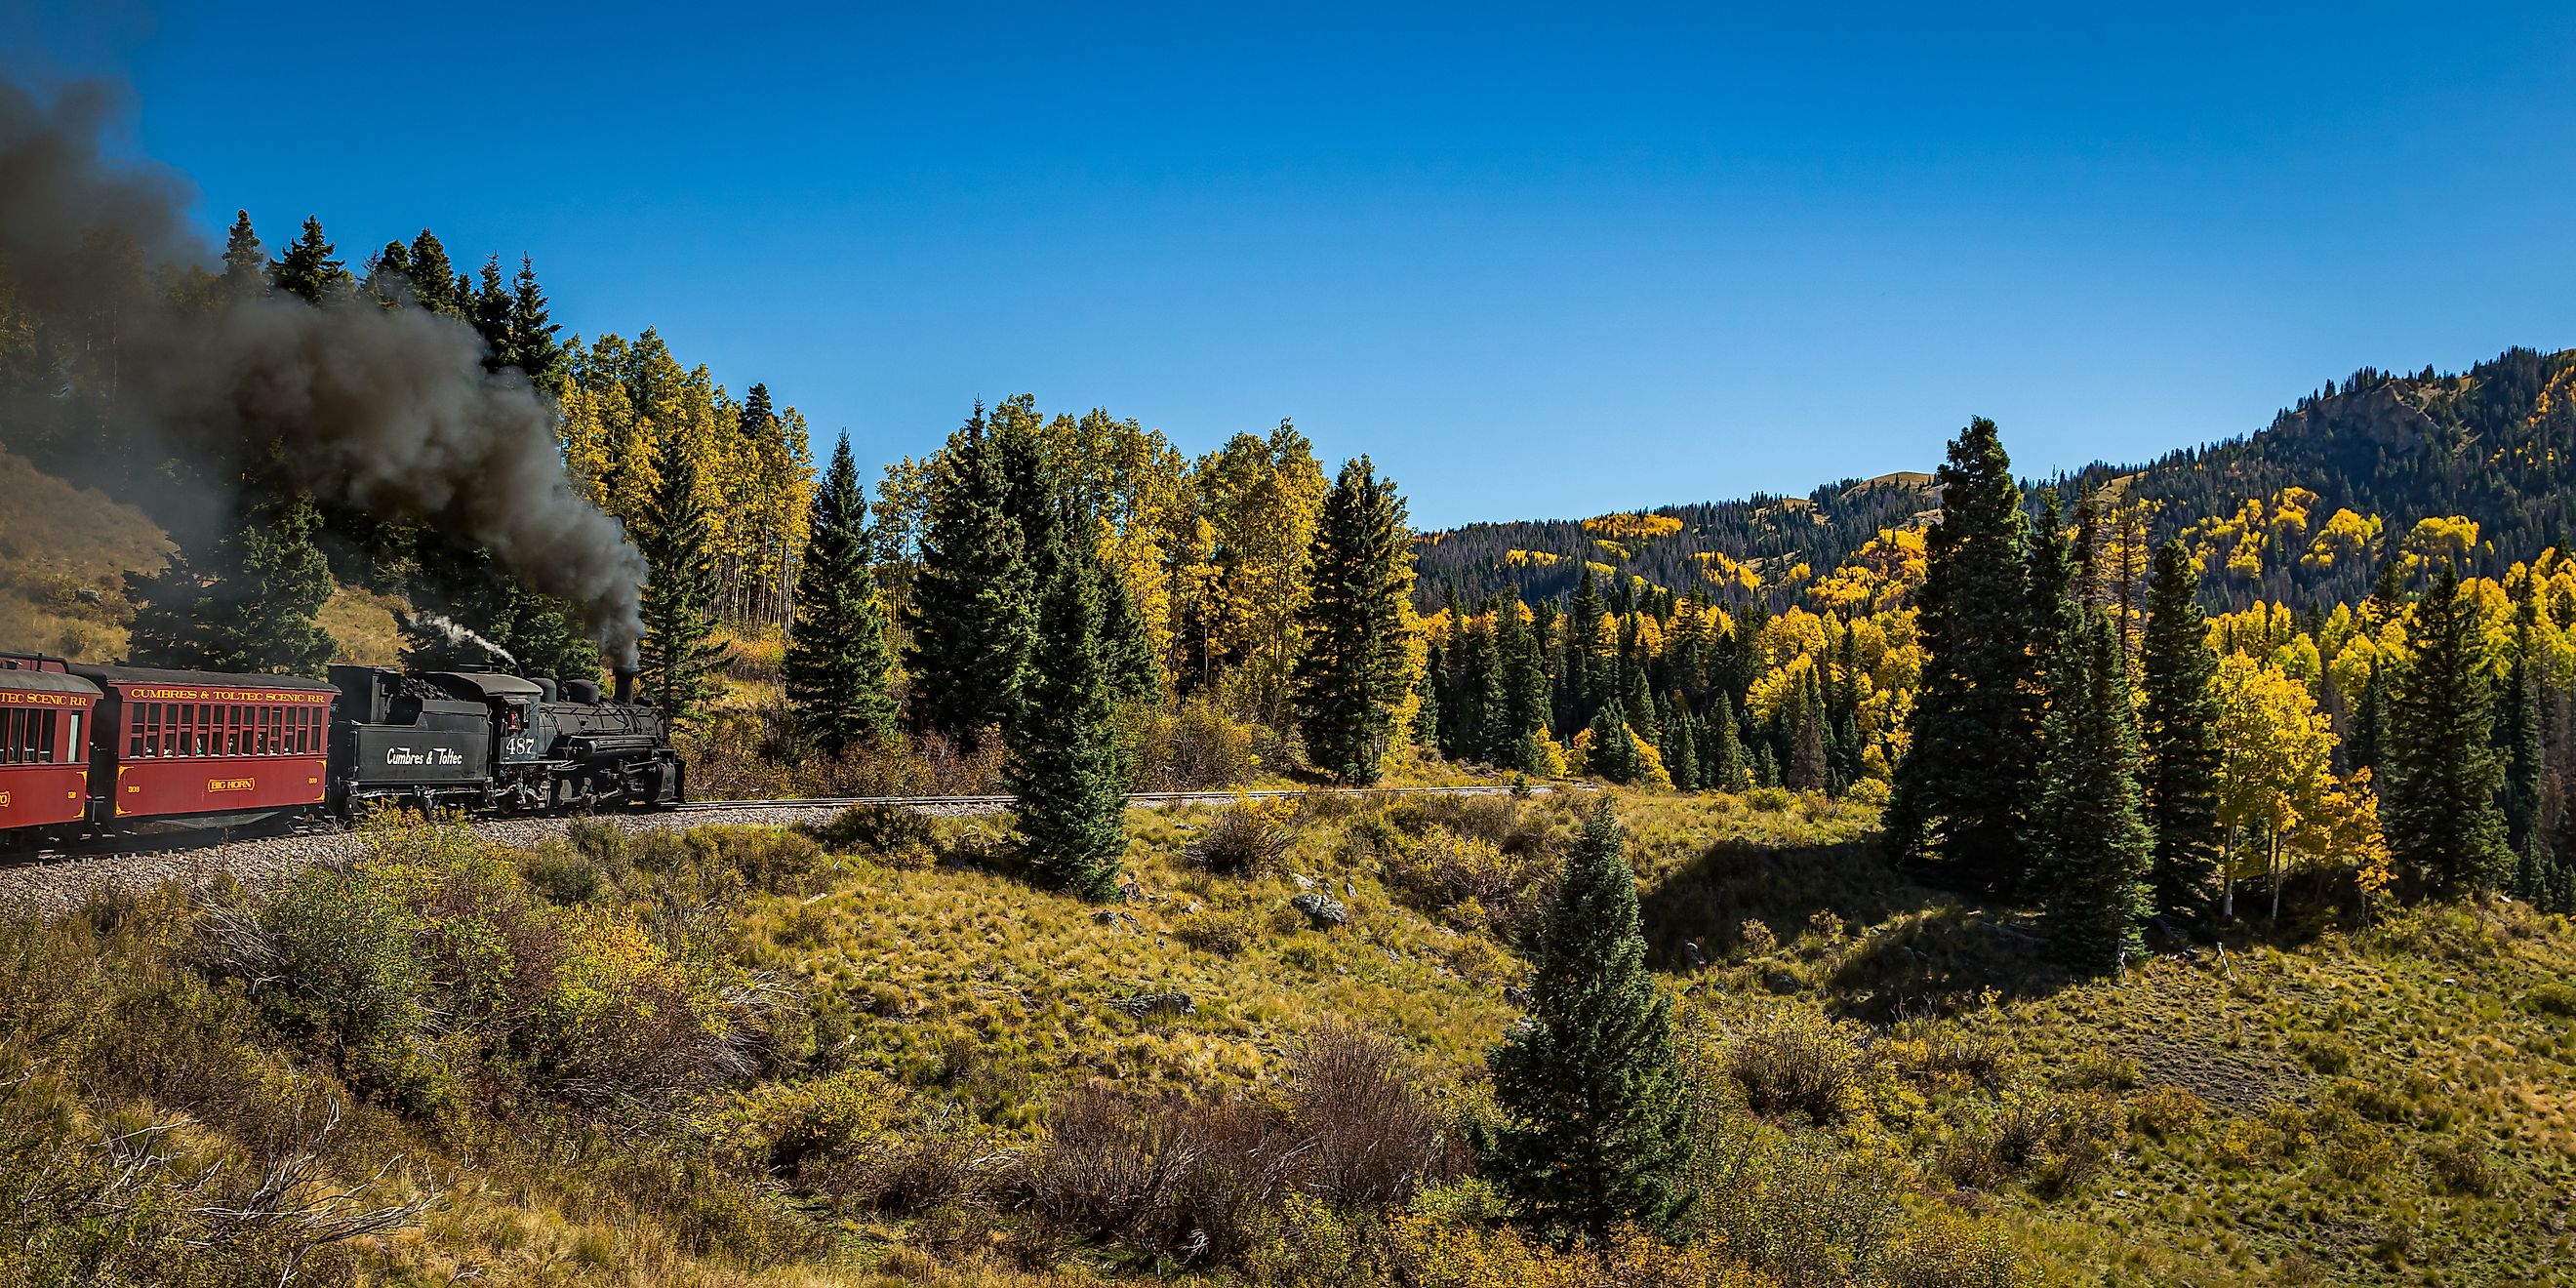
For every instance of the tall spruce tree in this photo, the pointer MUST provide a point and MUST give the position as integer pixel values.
(1065, 770)
(1962, 790)
(1724, 765)
(1613, 757)
(1597, 1135)
(2091, 841)
(970, 619)
(2178, 735)
(1126, 649)
(1583, 689)
(2518, 733)
(1352, 673)
(680, 656)
(2440, 771)
(244, 603)
(310, 269)
(1681, 754)
(531, 331)
(388, 281)
(245, 261)
(1526, 699)
(838, 657)
(1474, 704)
(433, 277)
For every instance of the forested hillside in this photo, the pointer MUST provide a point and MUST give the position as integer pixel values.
(2299, 513)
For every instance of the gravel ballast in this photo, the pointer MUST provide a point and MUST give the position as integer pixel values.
(54, 884)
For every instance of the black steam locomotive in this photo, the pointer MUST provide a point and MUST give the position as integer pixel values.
(484, 741)
(97, 750)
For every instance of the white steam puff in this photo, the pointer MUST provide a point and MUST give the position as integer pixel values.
(388, 410)
(455, 632)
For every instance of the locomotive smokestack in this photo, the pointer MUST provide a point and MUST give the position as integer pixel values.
(625, 685)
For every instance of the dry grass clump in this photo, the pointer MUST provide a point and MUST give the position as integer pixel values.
(1797, 1063)
(1201, 1181)
(1249, 838)
(1224, 931)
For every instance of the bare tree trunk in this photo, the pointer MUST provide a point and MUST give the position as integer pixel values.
(2227, 879)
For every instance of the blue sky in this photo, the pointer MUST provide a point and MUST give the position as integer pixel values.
(1537, 262)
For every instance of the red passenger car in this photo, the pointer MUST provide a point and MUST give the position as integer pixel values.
(213, 750)
(45, 718)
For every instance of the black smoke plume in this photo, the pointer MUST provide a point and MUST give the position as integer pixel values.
(390, 411)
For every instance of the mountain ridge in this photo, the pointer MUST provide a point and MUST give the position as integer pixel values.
(2495, 445)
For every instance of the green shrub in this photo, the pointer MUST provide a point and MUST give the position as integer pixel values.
(1193, 747)
(2462, 1166)
(2055, 1141)
(563, 874)
(1754, 939)
(2323, 1052)
(1944, 1249)
(603, 842)
(1769, 800)
(2166, 1112)
(773, 859)
(897, 836)
(1468, 880)
(337, 949)
(2552, 999)
(1795, 1062)
(1248, 838)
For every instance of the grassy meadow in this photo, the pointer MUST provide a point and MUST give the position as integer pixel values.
(877, 1055)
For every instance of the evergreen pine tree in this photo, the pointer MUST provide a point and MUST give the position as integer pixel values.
(1584, 683)
(534, 350)
(1962, 790)
(680, 656)
(1475, 704)
(1639, 703)
(1681, 756)
(1071, 812)
(2518, 728)
(1526, 700)
(1126, 649)
(1597, 1135)
(1426, 711)
(489, 314)
(2092, 844)
(1613, 757)
(245, 604)
(434, 277)
(1725, 766)
(389, 275)
(2178, 733)
(2440, 772)
(308, 269)
(245, 261)
(970, 618)
(1804, 767)
(838, 657)
(1351, 673)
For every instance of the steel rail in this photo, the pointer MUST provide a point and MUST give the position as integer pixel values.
(1133, 798)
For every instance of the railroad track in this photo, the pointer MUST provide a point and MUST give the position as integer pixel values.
(1133, 798)
(57, 881)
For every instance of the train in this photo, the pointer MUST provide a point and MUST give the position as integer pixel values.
(91, 751)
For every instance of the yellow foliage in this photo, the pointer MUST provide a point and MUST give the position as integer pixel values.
(1633, 527)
